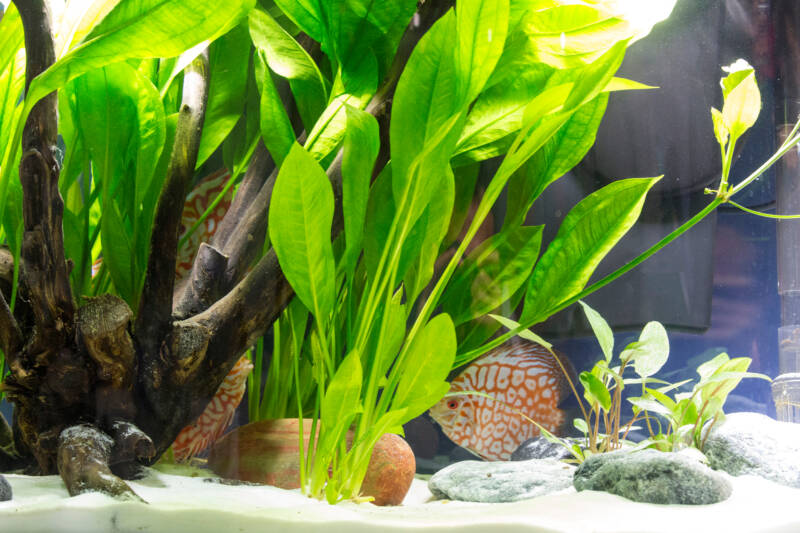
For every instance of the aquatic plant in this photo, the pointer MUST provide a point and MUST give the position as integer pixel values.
(370, 372)
(688, 416)
(143, 93)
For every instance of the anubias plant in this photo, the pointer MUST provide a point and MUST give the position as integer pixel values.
(353, 131)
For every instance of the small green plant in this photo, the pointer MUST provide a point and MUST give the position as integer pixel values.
(691, 415)
(601, 404)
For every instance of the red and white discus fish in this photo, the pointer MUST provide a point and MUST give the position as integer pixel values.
(519, 374)
(196, 204)
(218, 415)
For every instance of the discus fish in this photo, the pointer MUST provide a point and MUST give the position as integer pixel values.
(523, 377)
(201, 197)
(193, 439)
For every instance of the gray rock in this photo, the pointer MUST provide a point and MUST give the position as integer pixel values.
(5, 489)
(650, 476)
(540, 448)
(500, 481)
(752, 443)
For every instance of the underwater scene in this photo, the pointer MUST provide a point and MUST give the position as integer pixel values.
(431, 265)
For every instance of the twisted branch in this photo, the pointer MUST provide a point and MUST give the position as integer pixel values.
(155, 306)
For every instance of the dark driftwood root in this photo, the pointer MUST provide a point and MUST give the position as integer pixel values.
(84, 453)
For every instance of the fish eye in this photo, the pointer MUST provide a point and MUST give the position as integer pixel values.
(452, 404)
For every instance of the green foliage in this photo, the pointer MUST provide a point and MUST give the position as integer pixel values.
(688, 416)
(448, 110)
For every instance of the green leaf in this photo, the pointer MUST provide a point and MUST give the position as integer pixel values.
(497, 114)
(653, 349)
(276, 129)
(361, 144)
(492, 273)
(482, 28)
(425, 112)
(742, 98)
(601, 330)
(525, 333)
(300, 217)
(465, 179)
(394, 316)
(229, 60)
(581, 425)
(343, 394)
(118, 252)
(646, 404)
(562, 151)
(429, 231)
(426, 366)
(706, 369)
(139, 29)
(586, 235)
(595, 391)
(288, 59)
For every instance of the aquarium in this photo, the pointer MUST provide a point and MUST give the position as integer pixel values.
(431, 265)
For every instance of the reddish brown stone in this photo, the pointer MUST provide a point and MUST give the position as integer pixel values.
(267, 452)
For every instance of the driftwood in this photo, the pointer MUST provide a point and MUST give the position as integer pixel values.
(99, 392)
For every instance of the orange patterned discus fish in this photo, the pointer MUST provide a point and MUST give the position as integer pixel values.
(218, 415)
(196, 204)
(520, 374)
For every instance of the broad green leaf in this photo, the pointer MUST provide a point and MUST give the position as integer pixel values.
(482, 28)
(139, 29)
(562, 151)
(118, 253)
(424, 121)
(12, 82)
(394, 316)
(288, 59)
(595, 391)
(300, 217)
(329, 130)
(586, 235)
(662, 398)
(652, 351)
(241, 142)
(646, 404)
(343, 393)
(118, 116)
(229, 59)
(580, 425)
(133, 29)
(432, 225)
(276, 129)
(497, 114)
(525, 333)
(380, 212)
(706, 369)
(361, 144)
(426, 366)
(601, 330)
(595, 77)
(492, 273)
(76, 19)
(465, 179)
(306, 14)
(742, 98)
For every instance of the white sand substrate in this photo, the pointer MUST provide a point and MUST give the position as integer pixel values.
(178, 504)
